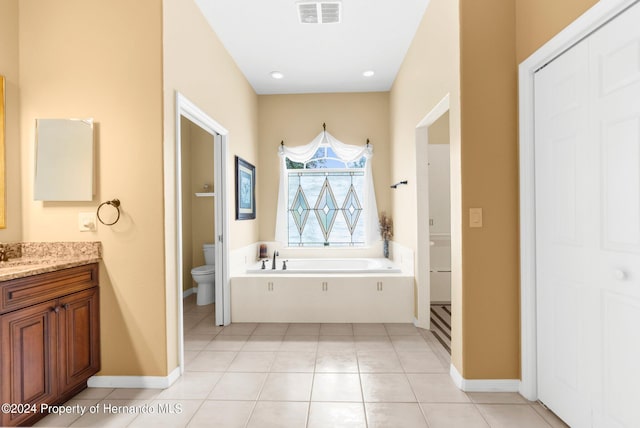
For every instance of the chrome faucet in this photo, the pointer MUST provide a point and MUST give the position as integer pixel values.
(273, 262)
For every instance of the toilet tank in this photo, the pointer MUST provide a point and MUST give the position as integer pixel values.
(209, 253)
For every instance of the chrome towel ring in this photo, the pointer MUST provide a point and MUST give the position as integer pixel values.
(114, 203)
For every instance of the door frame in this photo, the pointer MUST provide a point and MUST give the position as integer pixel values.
(173, 213)
(591, 20)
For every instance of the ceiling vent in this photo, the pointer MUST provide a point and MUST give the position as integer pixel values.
(327, 12)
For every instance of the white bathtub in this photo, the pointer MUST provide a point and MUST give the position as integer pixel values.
(333, 266)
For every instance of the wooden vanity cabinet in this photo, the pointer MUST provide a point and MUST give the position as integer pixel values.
(49, 339)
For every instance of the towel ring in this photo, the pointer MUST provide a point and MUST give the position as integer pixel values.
(114, 203)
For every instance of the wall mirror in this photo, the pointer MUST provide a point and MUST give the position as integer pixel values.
(64, 160)
(3, 222)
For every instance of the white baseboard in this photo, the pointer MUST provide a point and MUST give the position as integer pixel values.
(151, 382)
(483, 385)
(188, 292)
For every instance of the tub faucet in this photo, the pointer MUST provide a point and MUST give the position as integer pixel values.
(273, 262)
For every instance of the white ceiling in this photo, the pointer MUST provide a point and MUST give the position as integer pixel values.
(265, 35)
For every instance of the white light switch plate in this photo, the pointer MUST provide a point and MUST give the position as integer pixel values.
(87, 222)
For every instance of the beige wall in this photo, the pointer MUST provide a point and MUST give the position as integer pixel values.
(197, 65)
(438, 132)
(104, 60)
(9, 69)
(298, 119)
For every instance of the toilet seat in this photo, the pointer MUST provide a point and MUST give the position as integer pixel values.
(203, 270)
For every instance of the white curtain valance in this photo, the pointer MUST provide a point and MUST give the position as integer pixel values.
(346, 153)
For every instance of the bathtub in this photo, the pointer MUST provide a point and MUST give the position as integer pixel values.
(328, 266)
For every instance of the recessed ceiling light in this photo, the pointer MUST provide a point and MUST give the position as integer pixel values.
(277, 75)
(368, 73)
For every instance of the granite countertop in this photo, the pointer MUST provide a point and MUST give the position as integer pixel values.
(33, 258)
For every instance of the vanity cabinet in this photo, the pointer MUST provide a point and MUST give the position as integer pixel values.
(49, 338)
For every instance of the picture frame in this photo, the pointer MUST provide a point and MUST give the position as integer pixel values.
(245, 190)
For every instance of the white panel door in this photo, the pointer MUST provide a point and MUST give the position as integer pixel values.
(588, 228)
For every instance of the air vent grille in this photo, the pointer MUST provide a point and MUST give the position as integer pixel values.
(319, 12)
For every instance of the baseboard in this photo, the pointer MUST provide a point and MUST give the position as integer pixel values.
(188, 292)
(151, 382)
(483, 385)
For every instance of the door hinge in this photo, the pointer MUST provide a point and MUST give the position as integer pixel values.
(219, 238)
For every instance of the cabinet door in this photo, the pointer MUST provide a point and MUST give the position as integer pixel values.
(78, 338)
(28, 358)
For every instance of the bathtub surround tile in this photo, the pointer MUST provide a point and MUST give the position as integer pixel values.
(336, 387)
(509, 415)
(300, 362)
(191, 386)
(226, 343)
(279, 414)
(222, 414)
(369, 330)
(287, 387)
(303, 329)
(387, 388)
(401, 329)
(379, 362)
(447, 415)
(252, 362)
(238, 386)
(178, 418)
(387, 415)
(336, 362)
(300, 343)
(334, 329)
(422, 362)
(436, 388)
(212, 361)
(263, 343)
(336, 415)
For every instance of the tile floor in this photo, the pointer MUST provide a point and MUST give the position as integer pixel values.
(306, 375)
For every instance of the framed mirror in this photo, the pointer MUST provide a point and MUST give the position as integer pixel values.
(64, 160)
(3, 223)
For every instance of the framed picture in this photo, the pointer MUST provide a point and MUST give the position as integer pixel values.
(245, 190)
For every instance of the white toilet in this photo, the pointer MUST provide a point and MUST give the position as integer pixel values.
(205, 276)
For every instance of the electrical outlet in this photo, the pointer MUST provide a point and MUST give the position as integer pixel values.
(87, 222)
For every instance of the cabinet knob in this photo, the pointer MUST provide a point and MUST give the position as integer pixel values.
(619, 274)
(66, 306)
(56, 309)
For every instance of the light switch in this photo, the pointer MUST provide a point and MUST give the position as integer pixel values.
(87, 222)
(475, 217)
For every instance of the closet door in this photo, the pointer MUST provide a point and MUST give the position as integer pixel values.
(588, 227)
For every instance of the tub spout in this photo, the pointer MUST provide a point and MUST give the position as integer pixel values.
(273, 263)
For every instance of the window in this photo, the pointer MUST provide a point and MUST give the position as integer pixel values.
(326, 196)
(324, 201)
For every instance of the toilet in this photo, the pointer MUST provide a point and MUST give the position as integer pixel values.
(205, 276)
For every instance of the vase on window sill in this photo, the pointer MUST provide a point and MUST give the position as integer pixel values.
(385, 248)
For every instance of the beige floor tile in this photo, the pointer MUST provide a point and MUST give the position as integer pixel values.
(303, 329)
(401, 329)
(336, 387)
(422, 362)
(387, 388)
(168, 413)
(93, 393)
(362, 329)
(239, 329)
(280, 414)
(263, 343)
(211, 361)
(226, 343)
(336, 415)
(271, 329)
(207, 326)
(190, 356)
(497, 398)
(394, 415)
(110, 413)
(336, 343)
(336, 362)
(436, 388)
(549, 416)
(66, 419)
(252, 362)
(379, 362)
(447, 415)
(410, 343)
(222, 414)
(301, 362)
(191, 386)
(510, 415)
(336, 329)
(308, 343)
(373, 343)
(196, 342)
(238, 386)
(287, 387)
(133, 394)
